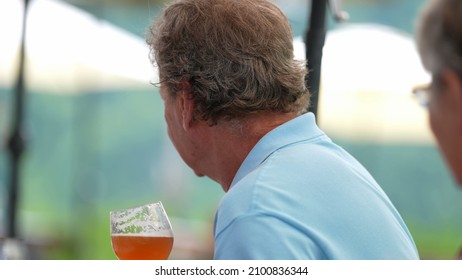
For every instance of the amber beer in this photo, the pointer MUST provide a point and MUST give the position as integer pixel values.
(141, 247)
(141, 233)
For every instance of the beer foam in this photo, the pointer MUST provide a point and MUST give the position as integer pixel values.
(158, 233)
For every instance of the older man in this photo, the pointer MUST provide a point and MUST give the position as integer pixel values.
(235, 106)
(439, 39)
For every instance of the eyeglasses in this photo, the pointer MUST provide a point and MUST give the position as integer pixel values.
(422, 94)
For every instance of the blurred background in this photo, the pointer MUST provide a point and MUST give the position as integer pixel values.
(96, 139)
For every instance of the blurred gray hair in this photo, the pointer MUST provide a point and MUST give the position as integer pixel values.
(439, 35)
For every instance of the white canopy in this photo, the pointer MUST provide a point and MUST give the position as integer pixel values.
(368, 72)
(68, 51)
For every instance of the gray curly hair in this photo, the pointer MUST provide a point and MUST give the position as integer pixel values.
(237, 56)
(439, 35)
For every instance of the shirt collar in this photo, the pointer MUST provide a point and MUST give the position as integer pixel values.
(301, 128)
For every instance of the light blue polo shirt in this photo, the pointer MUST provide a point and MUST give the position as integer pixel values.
(298, 195)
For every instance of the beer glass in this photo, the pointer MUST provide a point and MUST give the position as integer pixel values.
(141, 233)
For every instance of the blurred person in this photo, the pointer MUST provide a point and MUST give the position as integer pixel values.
(236, 110)
(439, 41)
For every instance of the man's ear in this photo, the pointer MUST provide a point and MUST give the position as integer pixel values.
(186, 105)
(453, 84)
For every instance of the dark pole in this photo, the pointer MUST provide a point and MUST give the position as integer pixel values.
(314, 43)
(16, 141)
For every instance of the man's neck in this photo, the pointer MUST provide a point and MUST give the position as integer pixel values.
(232, 141)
